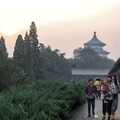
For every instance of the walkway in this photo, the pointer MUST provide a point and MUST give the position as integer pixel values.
(81, 112)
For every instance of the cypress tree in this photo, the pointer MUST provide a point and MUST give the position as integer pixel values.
(19, 51)
(37, 64)
(3, 50)
(28, 65)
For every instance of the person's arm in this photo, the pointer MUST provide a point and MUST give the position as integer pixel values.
(86, 91)
(95, 91)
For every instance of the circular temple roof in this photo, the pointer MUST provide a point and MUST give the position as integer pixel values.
(94, 42)
(101, 51)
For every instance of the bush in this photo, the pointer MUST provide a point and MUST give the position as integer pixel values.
(46, 100)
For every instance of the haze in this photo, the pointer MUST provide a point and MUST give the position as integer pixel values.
(63, 24)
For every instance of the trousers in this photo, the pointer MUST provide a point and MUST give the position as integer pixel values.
(106, 107)
(114, 105)
(91, 103)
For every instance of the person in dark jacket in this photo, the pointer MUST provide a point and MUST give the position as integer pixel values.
(90, 92)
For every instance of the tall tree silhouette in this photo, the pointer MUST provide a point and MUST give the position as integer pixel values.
(3, 50)
(18, 55)
(37, 64)
(28, 67)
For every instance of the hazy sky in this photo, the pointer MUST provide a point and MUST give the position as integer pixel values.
(63, 24)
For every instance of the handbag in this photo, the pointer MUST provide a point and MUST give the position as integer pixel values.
(91, 97)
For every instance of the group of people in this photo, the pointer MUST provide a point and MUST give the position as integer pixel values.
(106, 89)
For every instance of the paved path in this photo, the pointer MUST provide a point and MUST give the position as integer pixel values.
(81, 112)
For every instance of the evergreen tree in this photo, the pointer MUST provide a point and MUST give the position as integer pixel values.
(10, 73)
(37, 63)
(3, 50)
(28, 64)
(23, 56)
(19, 51)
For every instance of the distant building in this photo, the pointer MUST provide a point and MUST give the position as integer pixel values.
(84, 74)
(97, 45)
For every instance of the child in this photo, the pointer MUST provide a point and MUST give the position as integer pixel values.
(105, 89)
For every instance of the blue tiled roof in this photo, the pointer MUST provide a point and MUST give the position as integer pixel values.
(101, 51)
(94, 41)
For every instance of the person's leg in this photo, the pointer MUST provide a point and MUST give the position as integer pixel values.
(104, 105)
(93, 106)
(109, 108)
(114, 107)
(99, 94)
(89, 107)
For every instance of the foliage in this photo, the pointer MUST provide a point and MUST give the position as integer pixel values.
(55, 64)
(46, 100)
(40, 62)
(10, 75)
(3, 50)
(87, 58)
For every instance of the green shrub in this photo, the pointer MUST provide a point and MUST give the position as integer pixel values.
(45, 100)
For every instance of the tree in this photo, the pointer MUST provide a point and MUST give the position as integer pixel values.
(37, 63)
(18, 55)
(27, 54)
(11, 75)
(87, 58)
(3, 50)
(55, 64)
(28, 63)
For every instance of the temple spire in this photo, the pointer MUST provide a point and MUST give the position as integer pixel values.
(94, 34)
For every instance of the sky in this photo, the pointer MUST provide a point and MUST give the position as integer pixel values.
(62, 24)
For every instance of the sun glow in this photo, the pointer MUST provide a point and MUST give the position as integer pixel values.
(17, 15)
(8, 29)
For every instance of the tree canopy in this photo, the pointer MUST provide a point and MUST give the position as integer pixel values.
(87, 58)
(38, 61)
(33, 61)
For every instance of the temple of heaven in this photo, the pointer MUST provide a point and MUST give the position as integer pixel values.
(97, 45)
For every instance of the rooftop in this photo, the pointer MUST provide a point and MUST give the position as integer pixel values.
(94, 41)
(103, 72)
(101, 51)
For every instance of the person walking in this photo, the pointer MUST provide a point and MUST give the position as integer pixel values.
(98, 86)
(90, 92)
(107, 100)
(115, 97)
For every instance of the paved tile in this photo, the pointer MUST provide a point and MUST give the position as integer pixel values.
(81, 112)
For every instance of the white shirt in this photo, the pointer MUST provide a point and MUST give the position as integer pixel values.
(114, 90)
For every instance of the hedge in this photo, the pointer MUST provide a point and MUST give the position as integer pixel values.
(44, 100)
